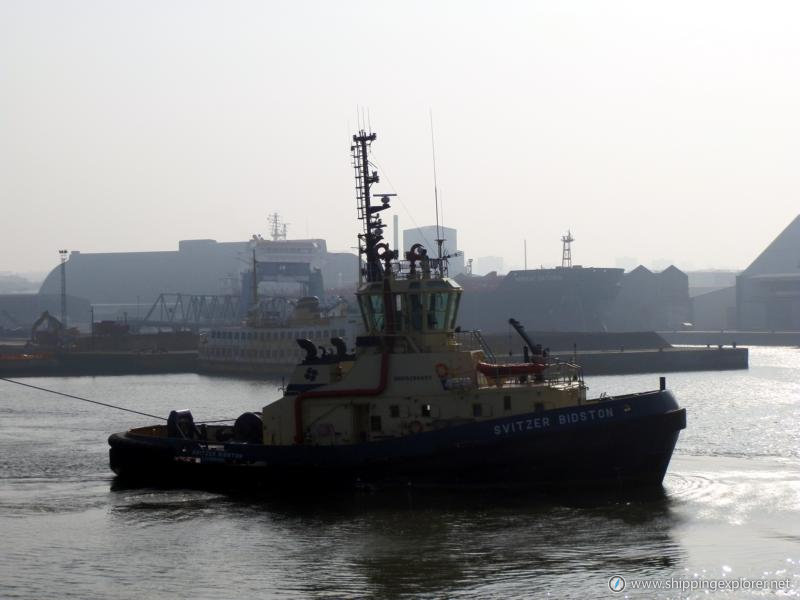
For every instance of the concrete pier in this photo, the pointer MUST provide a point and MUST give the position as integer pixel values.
(728, 337)
(616, 362)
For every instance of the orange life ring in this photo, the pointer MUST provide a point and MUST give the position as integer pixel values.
(441, 370)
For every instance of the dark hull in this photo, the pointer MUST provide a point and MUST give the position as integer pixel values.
(626, 441)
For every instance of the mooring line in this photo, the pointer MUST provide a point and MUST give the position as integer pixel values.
(36, 387)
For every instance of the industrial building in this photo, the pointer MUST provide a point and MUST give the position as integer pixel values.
(651, 301)
(114, 282)
(768, 291)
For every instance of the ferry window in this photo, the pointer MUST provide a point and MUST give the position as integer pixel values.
(263, 337)
(426, 410)
(319, 335)
(236, 335)
(394, 411)
(375, 423)
(507, 402)
(477, 410)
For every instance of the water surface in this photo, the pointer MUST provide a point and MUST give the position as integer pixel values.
(730, 507)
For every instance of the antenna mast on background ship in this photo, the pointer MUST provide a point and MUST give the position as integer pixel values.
(566, 250)
(277, 229)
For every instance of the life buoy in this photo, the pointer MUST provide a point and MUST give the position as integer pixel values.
(441, 370)
(415, 427)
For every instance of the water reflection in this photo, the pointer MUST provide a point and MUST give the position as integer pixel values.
(425, 543)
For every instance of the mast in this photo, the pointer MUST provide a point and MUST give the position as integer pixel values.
(566, 250)
(255, 280)
(370, 242)
(63, 256)
(277, 228)
(439, 239)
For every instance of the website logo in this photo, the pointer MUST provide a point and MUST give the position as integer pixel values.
(616, 584)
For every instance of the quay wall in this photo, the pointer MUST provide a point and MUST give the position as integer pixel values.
(659, 361)
(728, 338)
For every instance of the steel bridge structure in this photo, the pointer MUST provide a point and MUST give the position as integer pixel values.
(192, 311)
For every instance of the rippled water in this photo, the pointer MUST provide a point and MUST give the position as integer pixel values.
(730, 507)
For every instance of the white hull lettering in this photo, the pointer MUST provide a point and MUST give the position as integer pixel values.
(592, 414)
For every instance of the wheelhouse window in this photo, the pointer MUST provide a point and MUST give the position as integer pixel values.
(437, 310)
(373, 311)
(452, 309)
(415, 311)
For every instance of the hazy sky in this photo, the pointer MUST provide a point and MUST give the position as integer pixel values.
(665, 130)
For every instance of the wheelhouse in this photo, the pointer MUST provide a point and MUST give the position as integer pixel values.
(410, 307)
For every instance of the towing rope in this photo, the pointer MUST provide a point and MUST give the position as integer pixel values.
(41, 389)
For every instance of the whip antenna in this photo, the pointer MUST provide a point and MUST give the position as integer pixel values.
(439, 239)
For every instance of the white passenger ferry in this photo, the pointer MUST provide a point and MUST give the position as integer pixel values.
(270, 345)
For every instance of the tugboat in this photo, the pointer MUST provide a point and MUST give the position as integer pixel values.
(416, 402)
